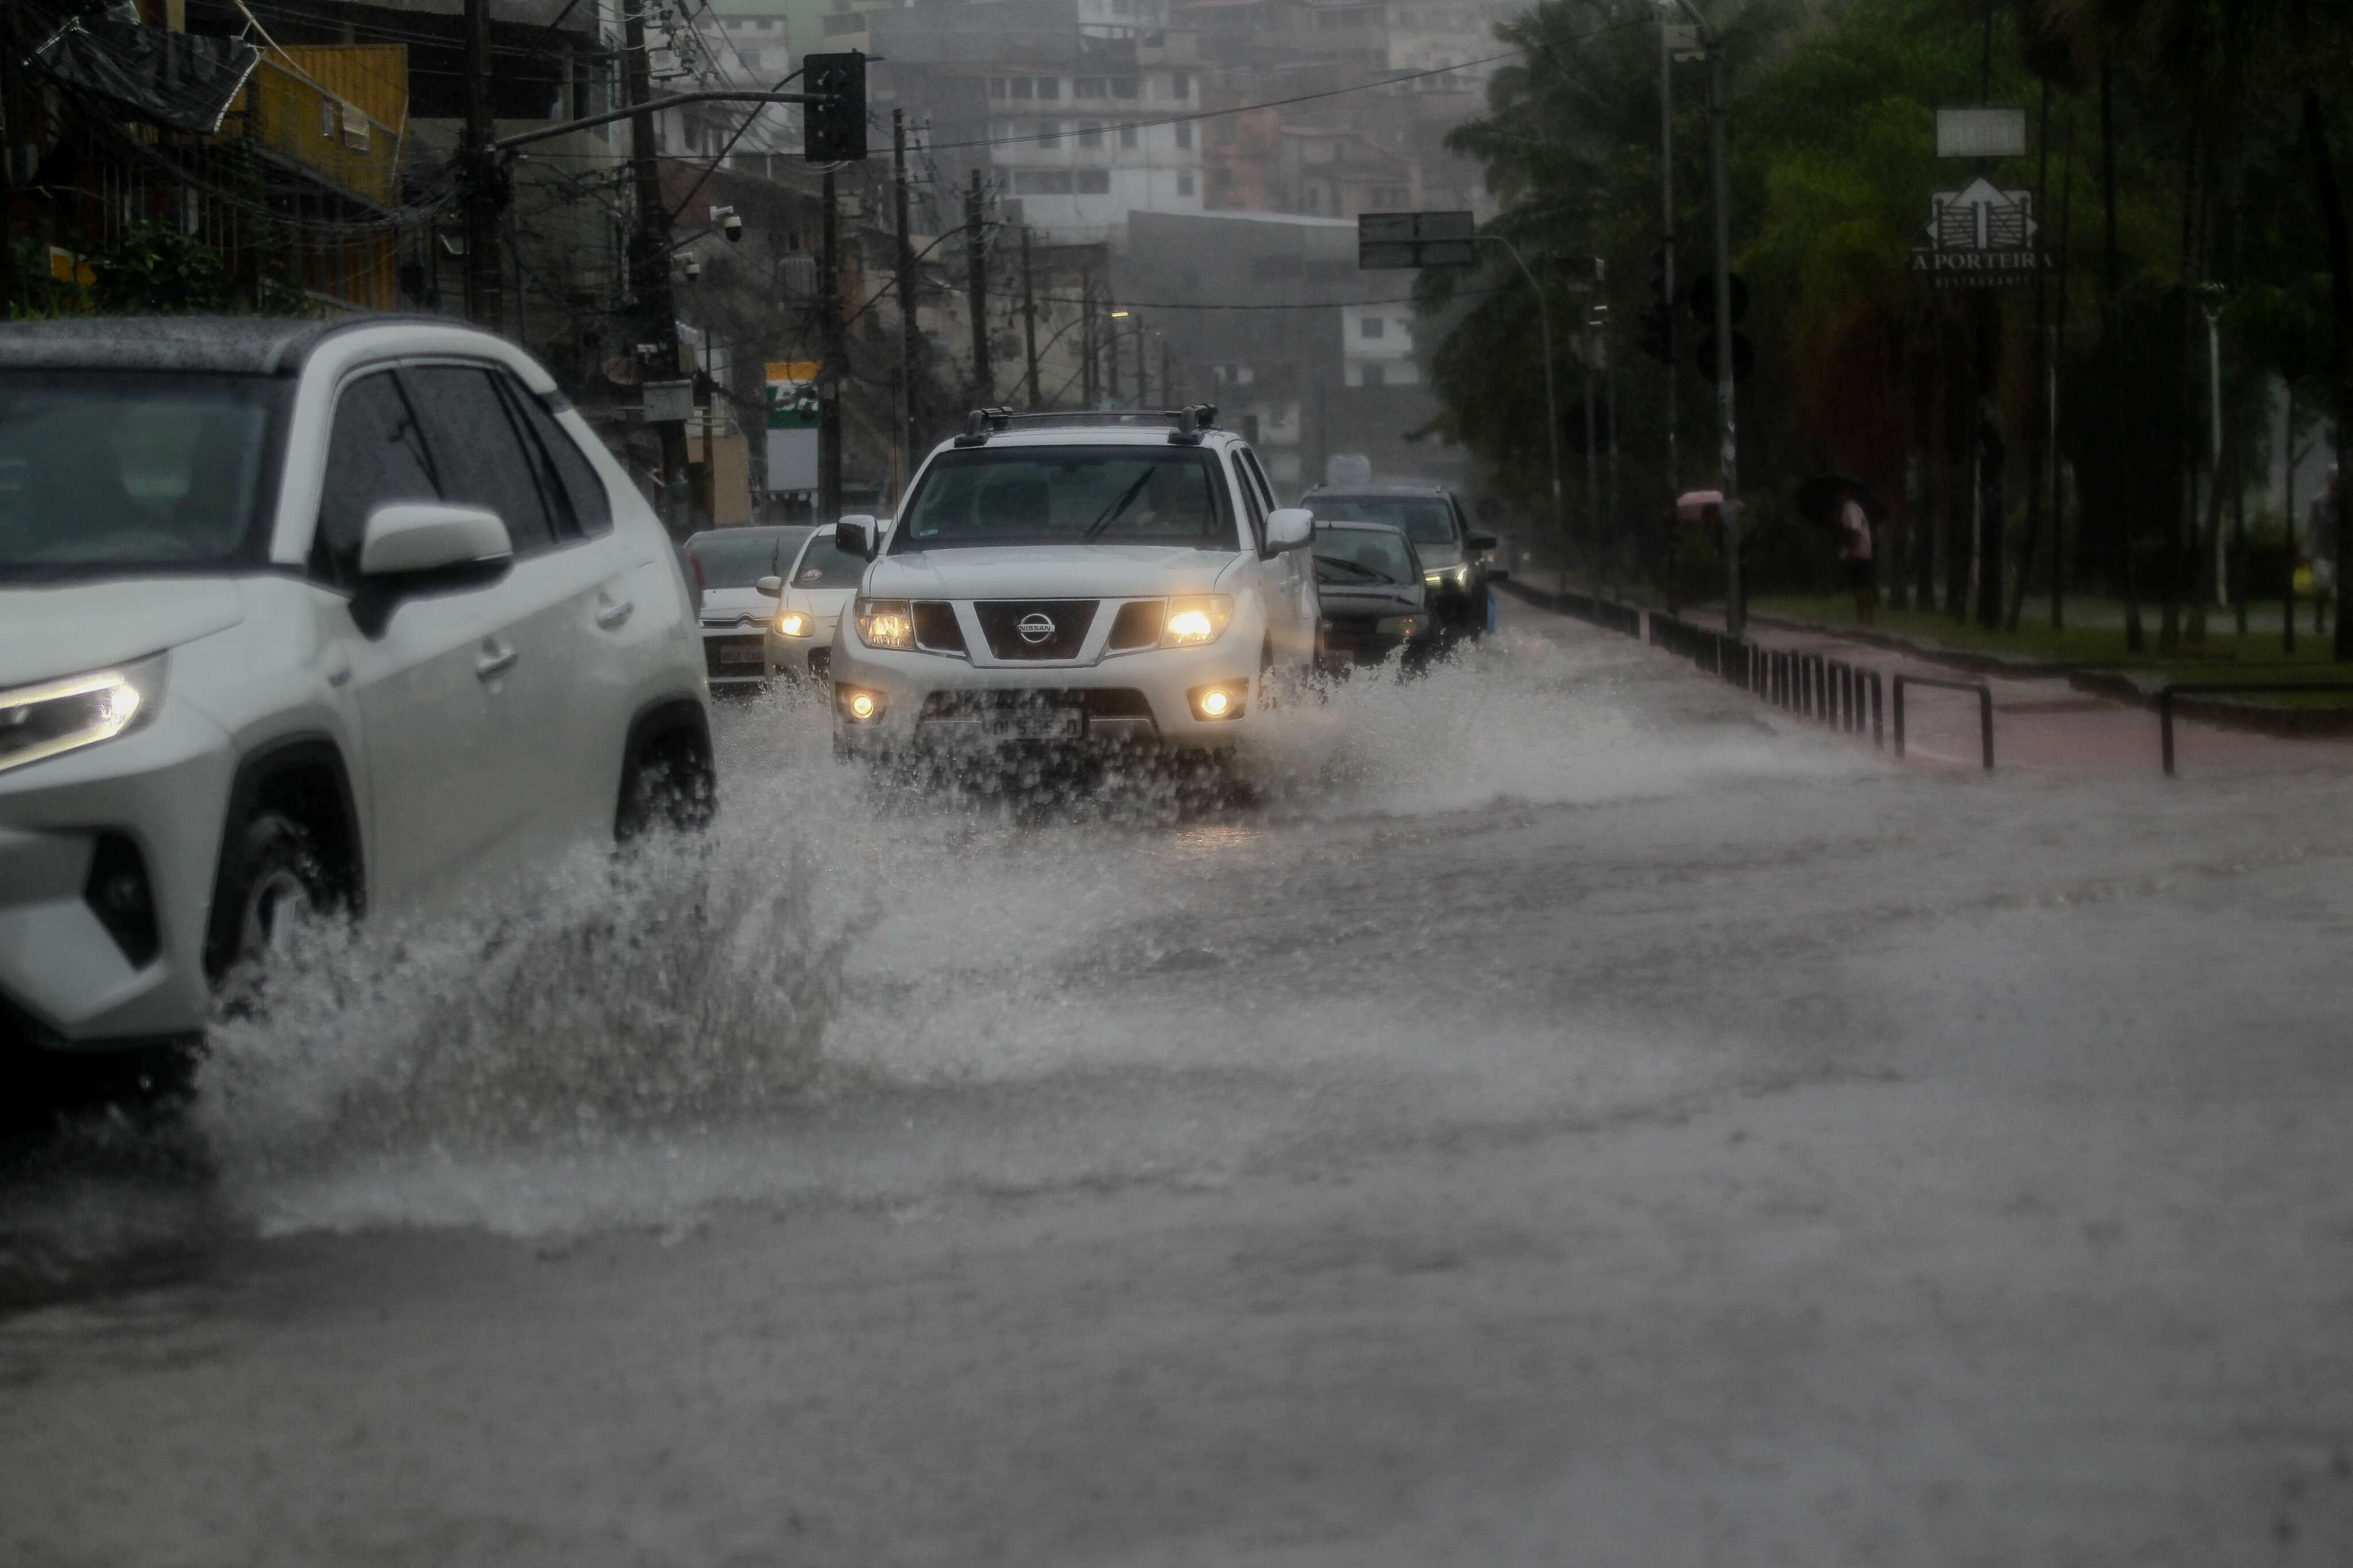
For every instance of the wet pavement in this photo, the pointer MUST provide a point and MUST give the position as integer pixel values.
(1558, 1111)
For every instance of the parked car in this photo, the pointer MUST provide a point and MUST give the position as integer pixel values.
(1077, 578)
(738, 574)
(1374, 602)
(1454, 559)
(815, 590)
(301, 615)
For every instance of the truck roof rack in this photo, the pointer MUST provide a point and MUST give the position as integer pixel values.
(1186, 423)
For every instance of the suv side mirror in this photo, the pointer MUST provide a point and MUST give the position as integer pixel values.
(417, 538)
(774, 588)
(854, 536)
(1288, 528)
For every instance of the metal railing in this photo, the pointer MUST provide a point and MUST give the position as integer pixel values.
(1846, 697)
(1985, 709)
(2196, 687)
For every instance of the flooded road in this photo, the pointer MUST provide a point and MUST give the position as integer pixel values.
(1551, 1113)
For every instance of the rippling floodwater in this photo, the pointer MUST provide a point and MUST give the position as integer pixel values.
(1552, 1111)
(625, 1045)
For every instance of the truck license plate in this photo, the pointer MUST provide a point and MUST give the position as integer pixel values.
(1038, 725)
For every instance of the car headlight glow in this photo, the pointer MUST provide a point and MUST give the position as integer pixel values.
(50, 717)
(859, 704)
(795, 624)
(1195, 622)
(1225, 699)
(1460, 576)
(1398, 626)
(886, 623)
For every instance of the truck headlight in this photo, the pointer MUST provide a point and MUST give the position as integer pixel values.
(50, 717)
(886, 623)
(1195, 622)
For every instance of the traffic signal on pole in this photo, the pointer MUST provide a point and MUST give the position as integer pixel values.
(1658, 332)
(833, 129)
(1743, 357)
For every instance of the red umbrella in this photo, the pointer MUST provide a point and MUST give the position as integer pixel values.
(1692, 505)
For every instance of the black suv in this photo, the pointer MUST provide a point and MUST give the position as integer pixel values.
(1454, 559)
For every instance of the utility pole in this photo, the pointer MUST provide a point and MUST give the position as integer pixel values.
(975, 267)
(1089, 373)
(650, 261)
(1111, 359)
(481, 174)
(1167, 379)
(1143, 365)
(1028, 316)
(906, 286)
(1735, 603)
(833, 382)
(1667, 263)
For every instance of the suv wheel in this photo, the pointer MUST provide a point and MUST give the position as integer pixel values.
(667, 782)
(275, 884)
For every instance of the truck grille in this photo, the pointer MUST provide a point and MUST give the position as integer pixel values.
(1067, 620)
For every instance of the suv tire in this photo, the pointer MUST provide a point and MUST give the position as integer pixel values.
(274, 880)
(667, 782)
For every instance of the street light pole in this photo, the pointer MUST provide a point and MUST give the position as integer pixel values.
(1667, 274)
(1552, 403)
(1735, 603)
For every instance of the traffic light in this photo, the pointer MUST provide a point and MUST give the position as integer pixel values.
(1743, 357)
(833, 129)
(1658, 332)
(1702, 298)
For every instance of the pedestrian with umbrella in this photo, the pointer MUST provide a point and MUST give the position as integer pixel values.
(1847, 507)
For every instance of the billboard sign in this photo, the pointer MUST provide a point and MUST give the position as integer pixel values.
(792, 421)
(1979, 237)
(1415, 239)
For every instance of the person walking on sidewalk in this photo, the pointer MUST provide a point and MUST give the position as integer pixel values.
(1855, 551)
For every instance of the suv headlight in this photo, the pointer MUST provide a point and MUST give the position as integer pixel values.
(1460, 576)
(64, 715)
(886, 623)
(1195, 622)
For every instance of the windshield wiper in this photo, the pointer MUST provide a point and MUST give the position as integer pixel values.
(1355, 566)
(1108, 518)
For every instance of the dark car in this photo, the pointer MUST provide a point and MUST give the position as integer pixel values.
(1371, 585)
(1454, 559)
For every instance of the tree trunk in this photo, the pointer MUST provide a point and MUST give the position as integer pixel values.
(2340, 310)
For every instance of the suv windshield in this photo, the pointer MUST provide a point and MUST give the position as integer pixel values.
(1427, 520)
(1362, 555)
(1068, 495)
(739, 559)
(113, 472)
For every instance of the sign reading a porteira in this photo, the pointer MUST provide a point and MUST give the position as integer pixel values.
(1979, 237)
(792, 410)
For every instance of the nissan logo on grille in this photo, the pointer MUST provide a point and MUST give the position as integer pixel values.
(1034, 627)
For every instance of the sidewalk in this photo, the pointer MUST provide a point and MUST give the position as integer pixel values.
(2040, 721)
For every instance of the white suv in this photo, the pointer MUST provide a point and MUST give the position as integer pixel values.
(1072, 578)
(293, 612)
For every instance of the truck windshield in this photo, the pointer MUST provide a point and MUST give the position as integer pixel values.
(1073, 495)
(111, 473)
